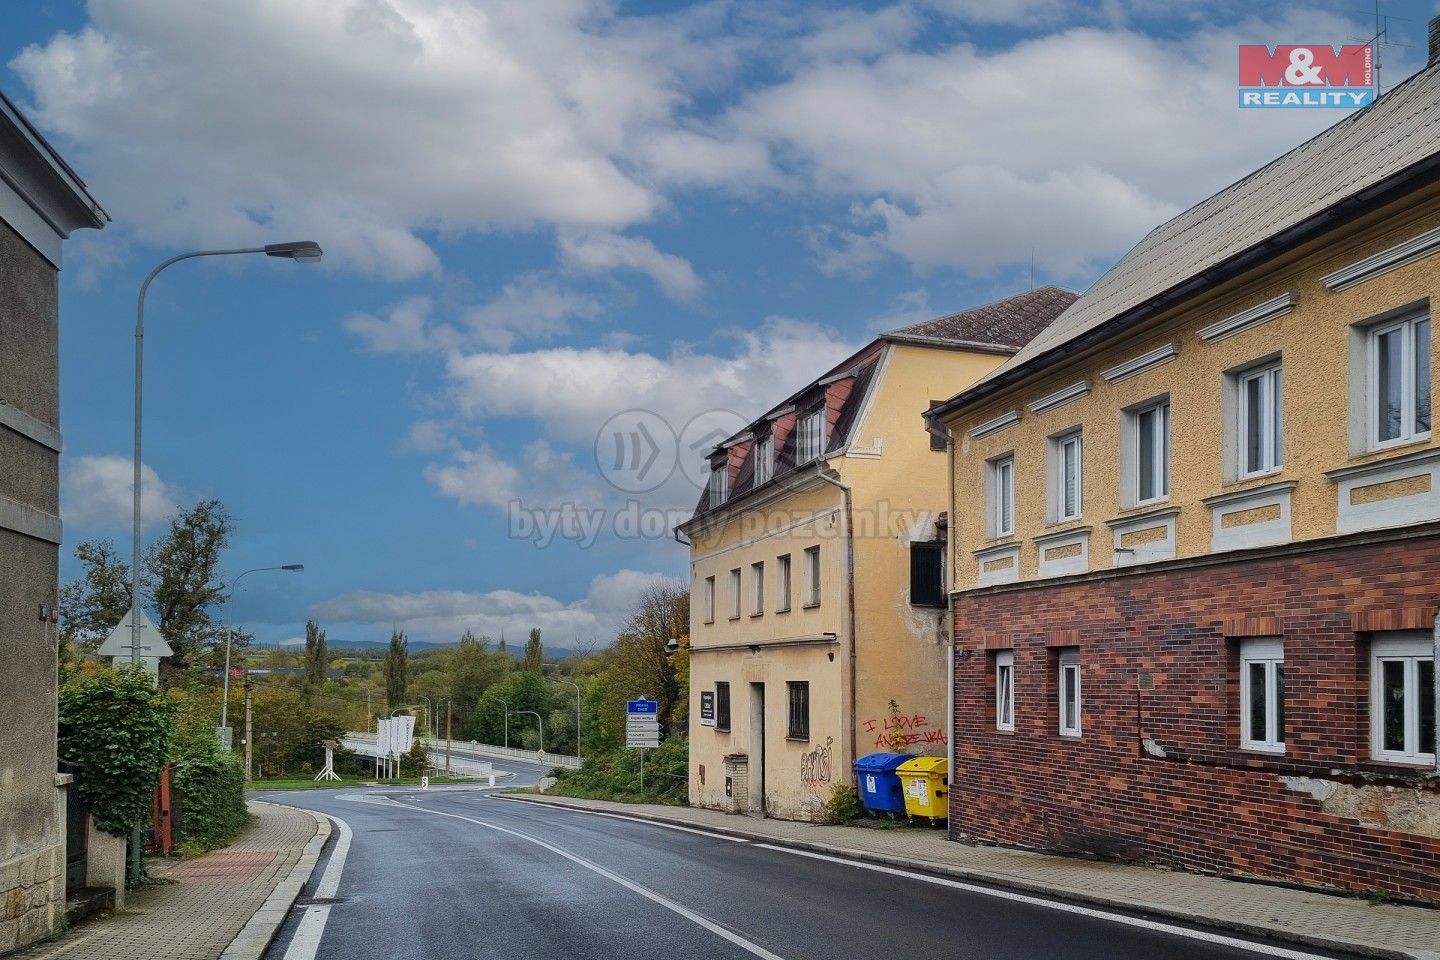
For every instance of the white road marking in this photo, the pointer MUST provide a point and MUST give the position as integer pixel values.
(646, 892)
(306, 941)
(621, 816)
(1159, 926)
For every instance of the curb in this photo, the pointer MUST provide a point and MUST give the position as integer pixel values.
(254, 938)
(985, 878)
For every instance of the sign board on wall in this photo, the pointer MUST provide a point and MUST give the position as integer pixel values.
(642, 723)
(707, 708)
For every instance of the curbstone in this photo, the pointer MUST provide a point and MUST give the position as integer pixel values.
(255, 937)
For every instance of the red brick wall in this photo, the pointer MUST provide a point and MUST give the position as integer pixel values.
(1157, 663)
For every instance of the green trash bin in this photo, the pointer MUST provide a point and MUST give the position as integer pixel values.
(926, 781)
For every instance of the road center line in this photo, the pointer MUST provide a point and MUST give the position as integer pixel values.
(1156, 925)
(621, 816)
(306, 941)
(646, 892)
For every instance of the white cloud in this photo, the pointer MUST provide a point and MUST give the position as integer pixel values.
(443, 615)
(531, 307)
(403, 329)
(361, 123)
(542, 475)
(98, 493)
(594, 252)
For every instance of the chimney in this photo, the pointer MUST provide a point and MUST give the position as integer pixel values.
(1434, 42)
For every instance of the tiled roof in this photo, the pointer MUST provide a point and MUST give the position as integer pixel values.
(1005, 325)
(1360, 152)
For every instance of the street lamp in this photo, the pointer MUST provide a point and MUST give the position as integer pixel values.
(429, 714)
(577, 710)
(301, 251)
(539, 721)
(230, 634)
(507, 721)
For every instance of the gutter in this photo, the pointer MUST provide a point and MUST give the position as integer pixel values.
(850, 590)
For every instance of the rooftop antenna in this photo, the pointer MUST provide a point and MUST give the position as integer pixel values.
(1032, 269)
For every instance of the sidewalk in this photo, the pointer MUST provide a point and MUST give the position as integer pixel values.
(226, 903)
(1315, 919)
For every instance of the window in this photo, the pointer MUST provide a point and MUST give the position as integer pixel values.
(1005, 690)
(1398, 362)
(722, 706)
(927, 574)
(709, 599)
(812, 576)
(797, 725)
(765, 459)
(1066, 457)
(757, 589)
(811, 439)
(1069, 693)
(719, 485)
(735, 594)
(1151, 427)
(1402, 697)
(1002, 497)
(1261, 431)
(782, 585)
(1262, 695)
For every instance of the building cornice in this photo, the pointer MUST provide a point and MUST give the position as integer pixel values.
(1248, 319)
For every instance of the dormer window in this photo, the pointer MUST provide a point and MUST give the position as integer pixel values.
(719, 486)
(765, 459)
(810, 439)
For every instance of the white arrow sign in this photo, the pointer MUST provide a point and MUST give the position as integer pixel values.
(152, 644)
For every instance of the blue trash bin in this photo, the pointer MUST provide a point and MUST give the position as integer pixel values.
(880, 789)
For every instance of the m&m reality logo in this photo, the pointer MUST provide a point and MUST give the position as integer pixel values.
(1316, 75)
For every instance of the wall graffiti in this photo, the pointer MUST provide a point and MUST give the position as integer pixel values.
(815, 764)
(904, 730)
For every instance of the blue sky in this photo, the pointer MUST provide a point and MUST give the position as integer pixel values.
(539, 214)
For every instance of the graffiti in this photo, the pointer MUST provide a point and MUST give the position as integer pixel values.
(815, 765)
(904, 730)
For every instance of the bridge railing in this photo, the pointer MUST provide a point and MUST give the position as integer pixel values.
(471, 746)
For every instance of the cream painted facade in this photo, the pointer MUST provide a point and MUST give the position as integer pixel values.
(890, 684)
(1334, 477)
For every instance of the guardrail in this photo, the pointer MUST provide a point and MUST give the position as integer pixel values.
(483, 749)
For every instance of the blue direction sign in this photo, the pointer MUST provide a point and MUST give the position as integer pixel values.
(642, 706)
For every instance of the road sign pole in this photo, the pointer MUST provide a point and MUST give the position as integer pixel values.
(642, 769)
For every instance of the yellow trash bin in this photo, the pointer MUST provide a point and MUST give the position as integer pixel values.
(926, 782)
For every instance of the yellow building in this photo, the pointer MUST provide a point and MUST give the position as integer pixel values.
(1196, 525)
(817, 595)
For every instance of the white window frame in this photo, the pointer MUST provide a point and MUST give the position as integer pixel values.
(765, 459)
(1272, 413)
(1408, 407)
(1269, 654)
(1409, 648)
(810, 436)
(1069, 666)
(783, 583)
(1160, 454)
(1001, 489)
(1058, 447)
(757, 588)
(719, 485)
(812, 574)
(710, 599)
(1005, 690)
(735, 594)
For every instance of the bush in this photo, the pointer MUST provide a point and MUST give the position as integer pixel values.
(414, 763)
(210, 788)
(615, 775)
(843, 805)
(114, 728)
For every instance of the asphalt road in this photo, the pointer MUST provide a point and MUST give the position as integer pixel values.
(465, 874)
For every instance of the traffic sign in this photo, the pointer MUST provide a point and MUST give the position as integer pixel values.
(152, 645)
(642, 706)
(642, 723)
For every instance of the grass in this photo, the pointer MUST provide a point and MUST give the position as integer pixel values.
(307, 783)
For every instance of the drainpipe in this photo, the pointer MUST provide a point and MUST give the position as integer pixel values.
(952, 517)
(850, 590)
(1435, 630)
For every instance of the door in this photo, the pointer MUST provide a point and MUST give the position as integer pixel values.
(757, 749)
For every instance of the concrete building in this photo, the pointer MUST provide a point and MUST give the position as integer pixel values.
(41, 202)
(1197, 530)
(817, 595)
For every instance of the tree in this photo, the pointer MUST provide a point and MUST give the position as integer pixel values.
(473, 669)
(397, 664)
(317, 659)
(640, 665)
(180, 580)
(522, 691)
(91, 605)
(534, 652)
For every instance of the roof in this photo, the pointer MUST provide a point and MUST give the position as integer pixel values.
(1348, 161)
(54, 200)
(1006, 324)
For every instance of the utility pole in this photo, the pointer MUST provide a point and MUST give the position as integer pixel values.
(449, 718)
(249, 734)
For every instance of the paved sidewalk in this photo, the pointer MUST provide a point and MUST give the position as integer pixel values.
(1316, 919)
(212, 901)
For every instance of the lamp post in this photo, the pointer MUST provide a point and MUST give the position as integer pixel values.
(542, 726)
(429, 714)
(507, 721)
(302, 251)
(230, 634)
(571, 683)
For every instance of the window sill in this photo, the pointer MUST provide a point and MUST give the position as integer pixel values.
(810, 606)
(1008, 731)
(1263, 749)
(722, 729)
(1406, 763)
(794, 739)
(710, 622)
(782, 609)
(735, 618)
(758, 613)
(1240, 481)
(1065, 735)
(1393, 445)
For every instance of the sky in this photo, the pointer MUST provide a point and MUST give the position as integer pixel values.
(542, 215)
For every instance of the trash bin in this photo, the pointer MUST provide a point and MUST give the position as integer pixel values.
(926, 782)
(880, 790)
